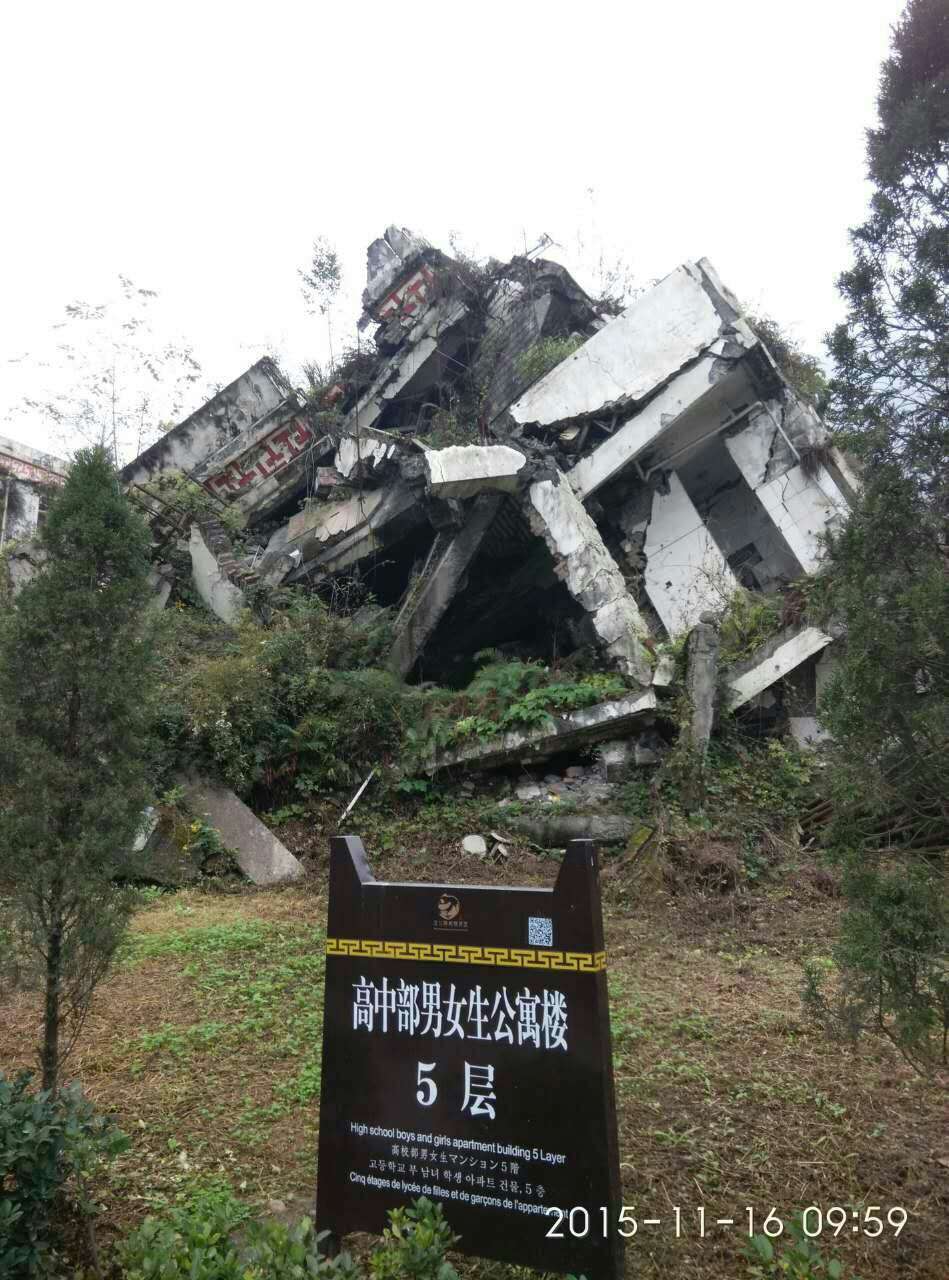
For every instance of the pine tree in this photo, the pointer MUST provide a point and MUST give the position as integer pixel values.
(891, 390)
(887, 579)
(75, 653)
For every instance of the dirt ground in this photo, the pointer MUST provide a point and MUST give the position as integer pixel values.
(204, 1043)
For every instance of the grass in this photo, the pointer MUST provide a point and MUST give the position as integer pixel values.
(205, 1043)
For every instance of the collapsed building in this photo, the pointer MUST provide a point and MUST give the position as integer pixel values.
(506, 463)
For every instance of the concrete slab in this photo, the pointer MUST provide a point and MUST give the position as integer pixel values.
(592, 724)
(632, 355)
(461, 471)
(211, 583)
(259, 853)
(686, 573)
(778, 657)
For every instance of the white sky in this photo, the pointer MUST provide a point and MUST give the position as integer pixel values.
(200, 147)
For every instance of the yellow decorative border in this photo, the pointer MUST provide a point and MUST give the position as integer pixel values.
(451, 953)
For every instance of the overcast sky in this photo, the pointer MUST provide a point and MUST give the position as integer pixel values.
(199, 148)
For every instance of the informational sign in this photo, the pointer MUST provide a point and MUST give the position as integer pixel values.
(466, 1058)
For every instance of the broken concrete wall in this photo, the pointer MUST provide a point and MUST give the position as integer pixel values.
(271, 462)
(27, 477)
(217, 423)
(590, 574)
(686, 573)
(630, 358)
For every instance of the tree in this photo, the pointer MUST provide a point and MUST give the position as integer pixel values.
(111, 378)
(891, 355)
(75, 654)
(887, 580)
(320, 284)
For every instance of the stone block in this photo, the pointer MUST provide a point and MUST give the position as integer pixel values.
(462, 471)
(259, 853)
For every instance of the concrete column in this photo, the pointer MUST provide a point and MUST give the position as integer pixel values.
(590, 573)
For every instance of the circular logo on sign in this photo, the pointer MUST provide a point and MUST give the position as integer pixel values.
(449, 908)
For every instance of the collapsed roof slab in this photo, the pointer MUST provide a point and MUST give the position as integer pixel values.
(590, 573)
(774, 660)
(630, 358)
(592, 724)
(687, 392)
(461, 471)
(438, 582)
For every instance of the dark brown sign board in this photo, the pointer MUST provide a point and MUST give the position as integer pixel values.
(466, 1058)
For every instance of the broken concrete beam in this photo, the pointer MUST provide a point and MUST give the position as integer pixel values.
(160, 580)
(592, 724)
(259, 853)
(211, 582)
(775, 659)
(686, 572)
(627, 360)
(590, 573)
(554, 831)
(438, 582)
(461, 471)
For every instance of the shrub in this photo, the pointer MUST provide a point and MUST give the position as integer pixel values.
(196, 1242)
(414, 1245)
(48, 1143)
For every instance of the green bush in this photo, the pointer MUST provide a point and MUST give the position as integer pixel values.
(47, 1145)
(201, 1242)
(414, 1245)
(295, 703)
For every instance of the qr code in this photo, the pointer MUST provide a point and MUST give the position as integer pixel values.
(540, 931)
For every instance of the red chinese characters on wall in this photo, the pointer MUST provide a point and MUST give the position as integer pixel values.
(265, 459)
(29, 471)
(411, 297)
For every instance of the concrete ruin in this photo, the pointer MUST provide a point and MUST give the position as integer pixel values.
(502, 462)
(27, 477)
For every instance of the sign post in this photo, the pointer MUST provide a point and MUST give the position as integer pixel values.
(466, 1057)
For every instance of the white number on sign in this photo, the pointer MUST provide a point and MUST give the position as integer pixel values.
(555, 1233)
(427, 1093)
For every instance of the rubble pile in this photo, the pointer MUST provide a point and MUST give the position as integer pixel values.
(500, 462)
